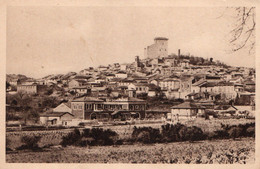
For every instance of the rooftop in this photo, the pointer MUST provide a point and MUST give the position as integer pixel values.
(87, 99)
(56, 114)
(187, 105)
(161, 38)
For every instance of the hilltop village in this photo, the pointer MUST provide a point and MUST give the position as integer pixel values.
(164, 86)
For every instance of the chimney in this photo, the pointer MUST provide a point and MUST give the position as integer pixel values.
(179, 52)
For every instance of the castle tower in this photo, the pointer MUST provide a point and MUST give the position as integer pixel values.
(159, 49)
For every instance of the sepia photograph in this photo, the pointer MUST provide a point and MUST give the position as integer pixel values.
(130, 84)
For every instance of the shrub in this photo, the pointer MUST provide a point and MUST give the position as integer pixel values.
(73, 138)
(103, 137)
(171, 133)
(194, 133)
(146, 135)
(143, 137)
(180, 132)
(95, 136)
(30, 142)
(235, 132)
(250, 131)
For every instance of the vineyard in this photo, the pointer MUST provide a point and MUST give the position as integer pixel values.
(206, 152)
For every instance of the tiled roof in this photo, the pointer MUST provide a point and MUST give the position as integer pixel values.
(187, 105)
(88, 99)
(161, 38)
(56, 114)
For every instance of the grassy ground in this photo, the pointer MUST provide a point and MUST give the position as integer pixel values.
(218, 151)
(54, 137)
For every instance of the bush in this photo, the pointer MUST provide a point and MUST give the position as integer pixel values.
(95, 136)
(235, 132)
(30, 142)
(103, 137)
(172, 133)
(194, 133)
(73, 138)
(250, 131)
(146, 135)
(180, 132)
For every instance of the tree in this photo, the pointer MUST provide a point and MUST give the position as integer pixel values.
(7, 85)
(243, 33)
(211, 60)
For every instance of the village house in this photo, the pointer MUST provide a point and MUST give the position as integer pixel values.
(81, 89)
(123, 67)
(184, 63)
(102, 68)
(225, 110)
(140, 88)
(169, 84)
(109, 77)
(56, 118)
(153, 90)
(76, 83)
(185, 110)
(125, 82)
(89, 108)
(226, 89)
(27, 88)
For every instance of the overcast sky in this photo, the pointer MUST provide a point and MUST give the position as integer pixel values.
(51, 40)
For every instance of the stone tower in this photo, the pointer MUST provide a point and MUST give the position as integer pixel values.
(159, 49)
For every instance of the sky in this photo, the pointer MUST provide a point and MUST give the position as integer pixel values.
(52, 40)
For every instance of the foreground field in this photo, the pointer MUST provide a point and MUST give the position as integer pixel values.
(205, 152)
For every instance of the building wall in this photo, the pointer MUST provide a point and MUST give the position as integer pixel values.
(169, 85)
(185, 86)
(158, 49)
(121, 75)
(43, 120)
(66, 117)
(81, 90)
(184, 113)
(30, 89)
(226, 91)
(78, 109)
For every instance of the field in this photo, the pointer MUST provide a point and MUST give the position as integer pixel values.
(53, 137)
(205, 152)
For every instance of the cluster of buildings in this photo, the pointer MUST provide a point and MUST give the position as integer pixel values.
(120, 90)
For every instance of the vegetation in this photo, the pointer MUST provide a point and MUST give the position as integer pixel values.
(146, 135)
(30, 142)
(27, 107)
(93, 137)
(203, 152)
